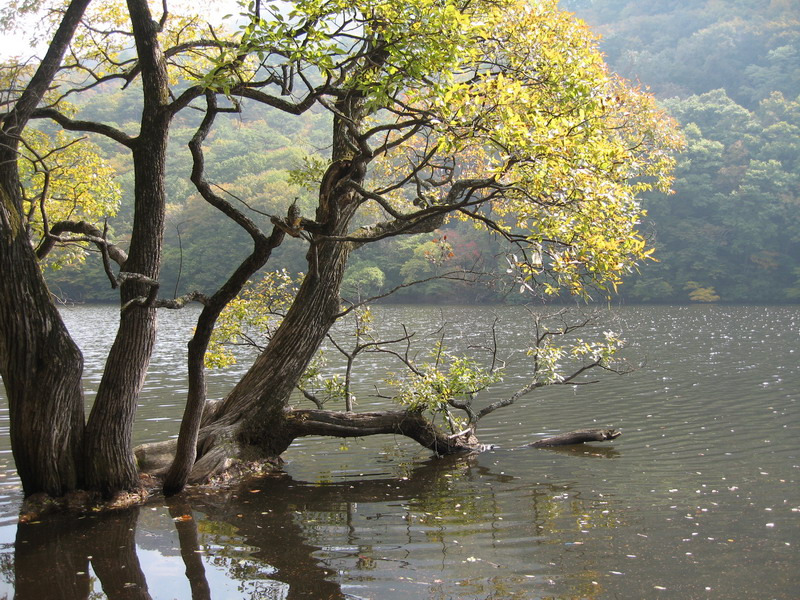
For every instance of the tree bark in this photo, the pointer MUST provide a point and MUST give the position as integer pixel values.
(40, 364)
(111, 465)
(411, 424)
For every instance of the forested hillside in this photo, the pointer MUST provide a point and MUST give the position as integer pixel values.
(729, 72)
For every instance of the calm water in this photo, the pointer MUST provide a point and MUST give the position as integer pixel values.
(699, 498)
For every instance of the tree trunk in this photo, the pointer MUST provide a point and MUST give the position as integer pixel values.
(111, 465)
(254, 422)
(250, 424)
(42, 376)
(40, 364)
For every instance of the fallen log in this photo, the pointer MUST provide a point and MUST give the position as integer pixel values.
(578, 436)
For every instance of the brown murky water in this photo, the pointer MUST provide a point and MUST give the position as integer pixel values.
(699, 498)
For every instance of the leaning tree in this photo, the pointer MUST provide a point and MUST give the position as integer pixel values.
(496, 112)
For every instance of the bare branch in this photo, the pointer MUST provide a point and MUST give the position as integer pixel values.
(295, 108)
(309, 396)
(88, 126)
(143, 301)
(198, 174)
(180, 302)
(88, 233)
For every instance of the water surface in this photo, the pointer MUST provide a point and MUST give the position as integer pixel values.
(699, 498)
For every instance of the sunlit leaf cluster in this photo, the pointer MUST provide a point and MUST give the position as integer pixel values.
(557, 360)
(252, 318)
(413, 38)
(431, 386)
(65, 178)
(326, 387)
(533, 106)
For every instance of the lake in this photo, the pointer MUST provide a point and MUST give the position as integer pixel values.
(698, 498)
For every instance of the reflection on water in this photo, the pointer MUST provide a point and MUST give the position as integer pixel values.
(279, 538)
(699, 498)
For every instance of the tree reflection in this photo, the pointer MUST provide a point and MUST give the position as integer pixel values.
(587, 450)
(181, 512)
(439, 524)
(52, 558)
(311, 532)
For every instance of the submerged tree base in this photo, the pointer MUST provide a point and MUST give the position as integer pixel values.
(228, 464)
(227, 461)
(230, 452)
(39, 505)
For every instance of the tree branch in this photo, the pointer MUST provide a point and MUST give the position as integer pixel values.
(181, 301)
(89, 233)
(427, 219)
(348, 424)
(294, 108)
(88, 126)
(537, 383)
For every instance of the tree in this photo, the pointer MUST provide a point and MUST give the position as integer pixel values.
(497, 113)
(39, 363)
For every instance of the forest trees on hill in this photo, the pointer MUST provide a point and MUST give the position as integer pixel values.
(733, 224)
(730, 73)
(499, 113)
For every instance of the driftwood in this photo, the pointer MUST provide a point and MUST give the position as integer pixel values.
(578, 436)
